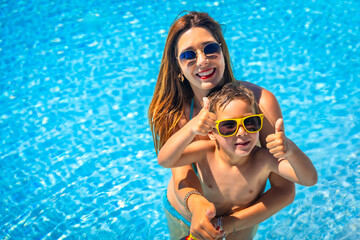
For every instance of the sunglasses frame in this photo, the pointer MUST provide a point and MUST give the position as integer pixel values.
(196, 52)
(240, 121)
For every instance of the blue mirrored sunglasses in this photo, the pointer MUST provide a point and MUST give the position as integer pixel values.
(208, 50)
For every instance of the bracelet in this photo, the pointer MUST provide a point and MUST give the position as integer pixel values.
(186, 200)
(219, 222)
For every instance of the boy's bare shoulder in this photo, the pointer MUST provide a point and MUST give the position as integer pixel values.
(262, 154)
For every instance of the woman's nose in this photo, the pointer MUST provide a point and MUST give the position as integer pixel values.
(201, 58)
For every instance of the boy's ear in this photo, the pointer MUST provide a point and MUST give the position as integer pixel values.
(211, 135)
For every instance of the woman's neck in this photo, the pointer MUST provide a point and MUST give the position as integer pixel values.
(198, 100)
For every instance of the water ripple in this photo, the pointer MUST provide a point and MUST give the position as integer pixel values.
(77, 157)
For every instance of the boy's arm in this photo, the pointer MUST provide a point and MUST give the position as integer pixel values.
(174, 147)
(194, 152)
(292, 163)
(280, 195)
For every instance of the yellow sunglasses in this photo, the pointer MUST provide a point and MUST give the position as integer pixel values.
(229, 127)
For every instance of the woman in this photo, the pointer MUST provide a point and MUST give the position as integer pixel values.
(195, 61)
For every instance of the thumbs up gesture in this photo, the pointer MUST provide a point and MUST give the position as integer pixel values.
(277, 142)
(204, 122)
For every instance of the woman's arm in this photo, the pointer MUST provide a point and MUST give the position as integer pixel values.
(185, 180)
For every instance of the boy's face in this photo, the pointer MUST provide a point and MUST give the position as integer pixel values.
(242, 142)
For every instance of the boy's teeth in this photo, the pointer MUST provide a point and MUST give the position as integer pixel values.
(202, 74)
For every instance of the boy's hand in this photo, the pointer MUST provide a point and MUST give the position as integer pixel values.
(277, 142)
(204, 122)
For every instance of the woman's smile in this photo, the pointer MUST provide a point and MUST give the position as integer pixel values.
(207, 73)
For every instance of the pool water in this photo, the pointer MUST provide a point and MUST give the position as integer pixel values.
(76, 153)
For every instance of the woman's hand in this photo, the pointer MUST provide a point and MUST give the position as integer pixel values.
(204, 122)
(202, 213)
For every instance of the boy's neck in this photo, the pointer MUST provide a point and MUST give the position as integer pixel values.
(232, 160)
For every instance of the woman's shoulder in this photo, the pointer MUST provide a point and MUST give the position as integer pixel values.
(262, 95)
(255, 88)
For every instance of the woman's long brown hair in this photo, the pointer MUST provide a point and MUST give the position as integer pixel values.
(170, 94)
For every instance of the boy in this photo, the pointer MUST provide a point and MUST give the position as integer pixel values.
(232, 169)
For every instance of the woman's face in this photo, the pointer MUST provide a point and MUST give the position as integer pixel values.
(204, 72)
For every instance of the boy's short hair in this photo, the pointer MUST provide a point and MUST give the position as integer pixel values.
(220, 98)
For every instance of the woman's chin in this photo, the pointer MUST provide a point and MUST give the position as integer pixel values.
(208, 85)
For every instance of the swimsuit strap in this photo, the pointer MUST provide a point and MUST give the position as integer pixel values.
(191, 114)
(191, 108)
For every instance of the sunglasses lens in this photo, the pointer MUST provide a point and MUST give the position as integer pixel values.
(227, 127)
(212, 48)
(252, 124)
(188, 55)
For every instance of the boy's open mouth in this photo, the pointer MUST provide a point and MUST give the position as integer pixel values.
(242, 143)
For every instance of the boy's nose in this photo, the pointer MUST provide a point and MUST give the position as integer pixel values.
(241, 131)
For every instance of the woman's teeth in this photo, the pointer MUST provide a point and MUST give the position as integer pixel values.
(206, 73)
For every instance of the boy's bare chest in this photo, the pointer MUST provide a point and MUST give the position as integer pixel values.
(232, 187)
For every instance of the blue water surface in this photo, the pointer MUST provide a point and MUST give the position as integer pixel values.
(76, 153)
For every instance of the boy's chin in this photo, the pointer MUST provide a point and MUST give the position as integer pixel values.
(242, 151)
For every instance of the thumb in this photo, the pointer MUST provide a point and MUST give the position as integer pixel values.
(206, 103)
(210, 213)
(279, 125)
